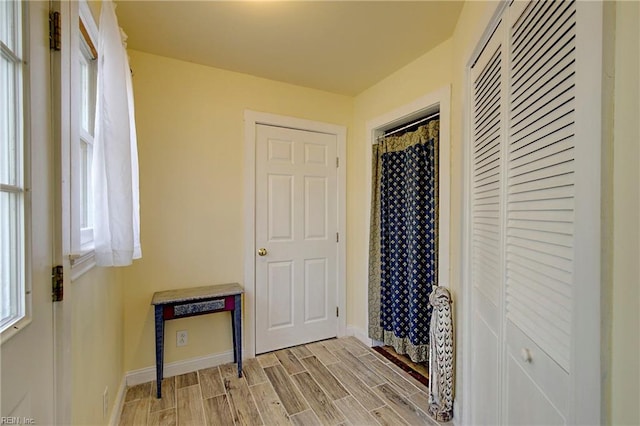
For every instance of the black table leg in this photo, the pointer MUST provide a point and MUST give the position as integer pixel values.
(237, 327)
(159, 349)
(233, 334)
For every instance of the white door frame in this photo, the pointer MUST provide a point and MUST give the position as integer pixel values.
(437, 101)
(251, 120)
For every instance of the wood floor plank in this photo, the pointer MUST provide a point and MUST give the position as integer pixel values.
(291, 398)
(319, 401)
(135, 412)
(268, 360)
(269, 405)
(189, 403)
(163, 418)
(211, 382)
(387, 417)
(168, 399)
(333, 345)
(379, 356)
(188, 379)
(355, 346)
(369, 377)
(421, 400)
(330, 384)
(289, 361)
(403, 406)
(406, 376)
(306, 418)
(243, 407)
(402, 385)
(253, 372)
(228, 371)
(355, 413)
(301, 351)
(217, 411)
(361, 392)
(140, 391)
(322, 353)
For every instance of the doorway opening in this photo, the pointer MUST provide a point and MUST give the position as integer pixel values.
(406, 118)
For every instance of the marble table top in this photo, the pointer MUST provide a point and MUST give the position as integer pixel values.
(196, 293)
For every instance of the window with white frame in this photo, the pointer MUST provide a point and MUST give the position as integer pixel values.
(12, 176)
(83, 92)
(87, 106)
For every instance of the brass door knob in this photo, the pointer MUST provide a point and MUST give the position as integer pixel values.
(262, 252)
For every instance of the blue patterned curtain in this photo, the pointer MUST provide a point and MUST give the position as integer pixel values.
(404, 240)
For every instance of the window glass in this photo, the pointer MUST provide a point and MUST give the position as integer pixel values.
(87, 91)
(12, 242)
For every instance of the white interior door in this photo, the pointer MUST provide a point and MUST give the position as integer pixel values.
(27, 379)
(296, 237)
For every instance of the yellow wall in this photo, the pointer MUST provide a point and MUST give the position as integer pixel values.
(191, 149)
(96, 302)
(625, 334)
(191, 159)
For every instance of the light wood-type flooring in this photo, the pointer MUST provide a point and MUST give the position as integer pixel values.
(332, 382)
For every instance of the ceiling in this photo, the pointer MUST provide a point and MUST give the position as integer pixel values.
(337, 46)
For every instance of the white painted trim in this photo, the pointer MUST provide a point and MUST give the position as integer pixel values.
(440, 100)
(148, 374)
(116, 410)
(586, 390)
(61, 82)
(88, 21)
(251, 119)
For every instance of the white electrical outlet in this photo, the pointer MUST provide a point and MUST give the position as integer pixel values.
(182, 337)
(105, 402)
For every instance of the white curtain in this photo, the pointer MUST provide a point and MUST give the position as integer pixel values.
(115, 153)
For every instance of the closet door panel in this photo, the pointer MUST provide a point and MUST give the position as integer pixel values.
(540, 183)
(487, 246)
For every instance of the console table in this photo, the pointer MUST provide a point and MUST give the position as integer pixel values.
(188, 302)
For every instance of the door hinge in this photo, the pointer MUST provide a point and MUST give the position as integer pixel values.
(57, 284)
(337, 237)
(337, 162)
(54, 31)
(337, 311)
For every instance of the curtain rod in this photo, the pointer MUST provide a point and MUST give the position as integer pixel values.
(421, 120)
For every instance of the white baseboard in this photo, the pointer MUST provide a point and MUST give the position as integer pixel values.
(116, 410)
(148, 374)
(360, 334)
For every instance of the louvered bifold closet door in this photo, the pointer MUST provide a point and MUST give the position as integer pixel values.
(540, 211)
(486, 228)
